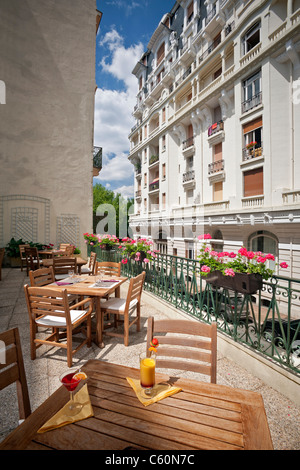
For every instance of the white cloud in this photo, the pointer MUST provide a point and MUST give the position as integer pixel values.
(113, 113)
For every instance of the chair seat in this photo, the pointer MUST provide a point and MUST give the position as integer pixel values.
(118, 304)
(85, 270)
(53, 321)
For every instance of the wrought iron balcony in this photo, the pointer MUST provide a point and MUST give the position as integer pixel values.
(188, 143)
(215, 167)
(188, 176)
(252, 152)
(252, 102)
(154, 186)
(216, 127)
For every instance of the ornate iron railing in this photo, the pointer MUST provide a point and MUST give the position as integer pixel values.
(267, 322)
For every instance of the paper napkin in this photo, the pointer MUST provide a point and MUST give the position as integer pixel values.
(160, 391)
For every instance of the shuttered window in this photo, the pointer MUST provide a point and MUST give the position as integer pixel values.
(251, 126)
(218, 152)
(253, 182)
(218, 191)
(161, 53)
(190, 11)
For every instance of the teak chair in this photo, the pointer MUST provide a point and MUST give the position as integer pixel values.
(90, 268)
(45, 276)
(50, 308)
(22, 254)
(62, 265)
(41, 277)
(12, 369)
(185, 339)
(108, 268)
(125, 307)
(2, 252)
(32, 259)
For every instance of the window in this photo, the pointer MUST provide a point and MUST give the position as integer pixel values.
(253, 182)
(251, 38)
(252, 134)
(265, 242)
(160, 54)
(190, 11)
(251, 92)
(218, 191)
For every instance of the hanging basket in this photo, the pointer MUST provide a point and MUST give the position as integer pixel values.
(241, 282)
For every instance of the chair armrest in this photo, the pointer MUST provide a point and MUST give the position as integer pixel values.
(82, 302)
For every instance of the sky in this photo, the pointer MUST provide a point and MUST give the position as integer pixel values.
(125, 31)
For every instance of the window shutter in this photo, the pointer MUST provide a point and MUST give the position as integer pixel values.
(250, 126)
(161, 53)
(253, 182)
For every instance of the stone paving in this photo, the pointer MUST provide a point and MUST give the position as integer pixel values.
(42, 373)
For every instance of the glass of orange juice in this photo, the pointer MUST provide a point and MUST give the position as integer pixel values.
(147, 373)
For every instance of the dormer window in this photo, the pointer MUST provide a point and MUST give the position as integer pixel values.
(160, 54)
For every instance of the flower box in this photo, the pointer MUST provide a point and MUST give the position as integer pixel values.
(240, 282)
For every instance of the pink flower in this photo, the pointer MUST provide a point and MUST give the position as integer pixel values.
(232, 255)
(242, 251)
(214, 253)
(250, 254)
(269, 256)
(284, 265)
(146, 260)
(205, 236)
(205, 269)
(229, 272)
(124, 261)
(261, 259)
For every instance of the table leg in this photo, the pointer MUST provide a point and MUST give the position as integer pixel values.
(99, 323)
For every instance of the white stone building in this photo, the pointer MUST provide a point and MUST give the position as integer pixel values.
(47, 77)
(216, 145)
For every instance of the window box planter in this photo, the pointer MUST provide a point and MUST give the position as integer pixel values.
(241, 282)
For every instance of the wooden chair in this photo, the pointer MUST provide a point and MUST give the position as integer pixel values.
(125, 307)
(45, 276)
(90, 268)
(22, 255)
(185, 339)
(41, 277)
(108, 268)
(32, 259)
(62, 265)
(50, 308)
(2, 252)
(12, 369)
(62, 246)
(69, 250)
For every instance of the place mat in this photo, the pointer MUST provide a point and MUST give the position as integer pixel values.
(160, 391)
(103, 284)
(62, 418)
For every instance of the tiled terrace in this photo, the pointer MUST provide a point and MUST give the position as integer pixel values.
(42, 374)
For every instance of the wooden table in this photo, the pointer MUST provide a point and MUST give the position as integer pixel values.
(49, 262)
(83, 288)
(202, 416)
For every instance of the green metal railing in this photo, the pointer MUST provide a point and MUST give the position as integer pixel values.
(267, 322)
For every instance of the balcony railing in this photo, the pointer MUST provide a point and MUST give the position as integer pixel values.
(252, 102)
(210, 15)
(188, 176)
(215, 167)
(188, 143)
(249, 153)
(216, 127)
(154, 186)
(210, 48)
(267, 323)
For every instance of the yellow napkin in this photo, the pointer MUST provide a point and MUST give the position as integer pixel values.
(160, 391)
(63, 417)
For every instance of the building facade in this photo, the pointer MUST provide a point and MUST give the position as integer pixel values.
(47, 59)
(216, 141)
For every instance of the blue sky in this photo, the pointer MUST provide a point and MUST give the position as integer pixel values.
(125, 30)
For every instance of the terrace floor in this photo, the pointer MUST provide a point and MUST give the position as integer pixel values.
(42, 373)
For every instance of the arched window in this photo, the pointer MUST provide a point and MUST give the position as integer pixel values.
(265, 242)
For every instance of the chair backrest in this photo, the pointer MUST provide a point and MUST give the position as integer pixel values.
(108, 267)
(64, 264)
(12, 369)
(22, 250)
(42, 301)
(135, 289)
(185, 345)
(62, 246)
(92, 261)
(41, 277)
(32, 257)
(69, 250)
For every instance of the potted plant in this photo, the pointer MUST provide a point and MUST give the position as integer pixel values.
(137, 250)
(104, 241)
(242, 271)
(12, 251)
